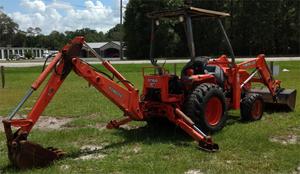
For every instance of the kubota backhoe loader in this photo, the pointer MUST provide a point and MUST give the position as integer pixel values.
(196, 101)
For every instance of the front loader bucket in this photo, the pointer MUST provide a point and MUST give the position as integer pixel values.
(286, 99)
(24, 154)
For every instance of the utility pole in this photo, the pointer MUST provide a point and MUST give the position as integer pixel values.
(121, 29)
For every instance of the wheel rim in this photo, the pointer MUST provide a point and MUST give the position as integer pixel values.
(213, 111)
(256, 109)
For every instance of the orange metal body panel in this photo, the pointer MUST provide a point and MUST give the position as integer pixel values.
(161, 82)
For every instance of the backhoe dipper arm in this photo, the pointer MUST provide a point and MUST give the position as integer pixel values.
(25, 154)
(127, 99)
(60, 67)
(266, 77)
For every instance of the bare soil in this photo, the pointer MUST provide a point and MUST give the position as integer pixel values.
(286, 139)
(297, 170)
(91, 152)
(48, 123)
(193, 171)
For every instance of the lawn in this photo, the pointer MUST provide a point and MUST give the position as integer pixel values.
(138, 148)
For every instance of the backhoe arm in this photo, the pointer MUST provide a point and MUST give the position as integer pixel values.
(25, 154)
(60, 67)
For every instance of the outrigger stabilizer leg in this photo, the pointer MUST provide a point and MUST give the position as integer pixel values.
(205, 141)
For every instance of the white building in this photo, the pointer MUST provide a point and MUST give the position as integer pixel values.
(9, 52)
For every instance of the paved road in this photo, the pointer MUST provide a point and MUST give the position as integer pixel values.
(94, 61)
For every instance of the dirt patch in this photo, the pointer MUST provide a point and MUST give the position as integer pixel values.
(285, 139)
(52, 123)
(136, 149)
(194, 171)
(91, 157)
(65, 167)
(100, 126)
(297, 128)
(48, 123)
(128, 127)
(90, 152)
(88, 148)
(297, 170)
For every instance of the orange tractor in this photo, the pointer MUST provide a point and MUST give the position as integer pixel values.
(196, 101)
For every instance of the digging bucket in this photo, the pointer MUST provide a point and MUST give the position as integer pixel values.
(286, 99)
(24, 154)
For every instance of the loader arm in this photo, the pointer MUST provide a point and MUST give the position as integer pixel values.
(260, 66)
(25, 154)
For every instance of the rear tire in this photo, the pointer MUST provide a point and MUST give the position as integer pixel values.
(252, 107)
(206, 107)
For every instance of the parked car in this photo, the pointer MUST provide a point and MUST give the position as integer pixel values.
(16, 57)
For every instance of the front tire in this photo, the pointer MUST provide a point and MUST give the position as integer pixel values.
(206, 107)
(252, 107)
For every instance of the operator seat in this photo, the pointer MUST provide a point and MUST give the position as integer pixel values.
(217, 72)
(197, 65)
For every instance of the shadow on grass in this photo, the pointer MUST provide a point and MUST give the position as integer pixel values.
(232, 120)
(165, 133)
(9, 169)
(153, 133)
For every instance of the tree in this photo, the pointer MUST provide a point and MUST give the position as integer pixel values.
(37, 30)
(19, 40)
(115, 34)
(137, 27)
(8, 28)
(270, 27)
(56, 40)
(89, 34)
(34, 31)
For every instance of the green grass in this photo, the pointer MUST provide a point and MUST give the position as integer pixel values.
(244, 147)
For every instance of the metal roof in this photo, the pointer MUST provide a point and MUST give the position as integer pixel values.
(192, 11)
(101, 44)
(96, 44)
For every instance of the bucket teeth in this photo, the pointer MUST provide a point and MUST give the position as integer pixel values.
(60, 153)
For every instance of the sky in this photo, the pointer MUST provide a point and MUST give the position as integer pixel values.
(64, 15)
